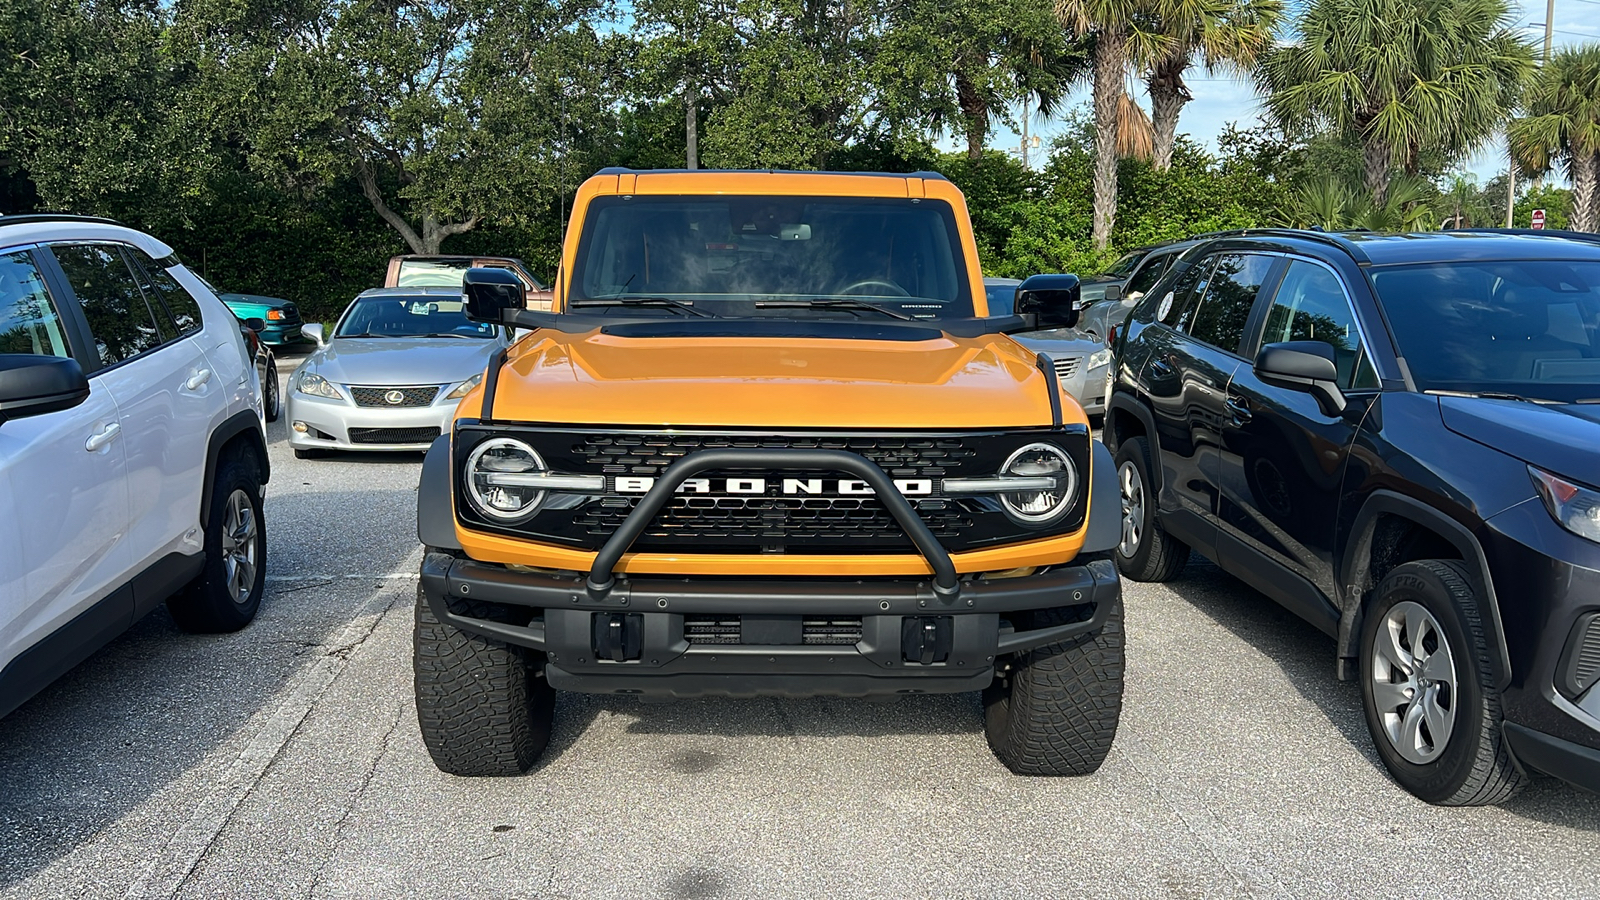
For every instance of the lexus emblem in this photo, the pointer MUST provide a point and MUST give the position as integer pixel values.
(395, 398)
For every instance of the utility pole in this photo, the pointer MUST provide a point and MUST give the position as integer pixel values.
(1549, 26)
(1025, 129)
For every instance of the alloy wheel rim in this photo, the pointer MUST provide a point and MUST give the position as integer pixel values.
(1413, 682)
(239, 545)
(1132, 488)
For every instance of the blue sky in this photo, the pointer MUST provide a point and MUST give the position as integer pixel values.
(1219, 100)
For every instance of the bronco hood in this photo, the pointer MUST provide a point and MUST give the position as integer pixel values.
(1563, 439)
(935, 381)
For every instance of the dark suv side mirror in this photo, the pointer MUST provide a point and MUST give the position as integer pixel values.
(490, 293)
(32, 385)
(1303, 366)
(1048, 301)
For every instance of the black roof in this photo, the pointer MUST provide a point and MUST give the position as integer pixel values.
(1377, 249)
(26, 218)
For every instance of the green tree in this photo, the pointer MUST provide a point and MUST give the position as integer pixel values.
(1401, 76)
(687, 47)
(1122, 30)
(1562, 127)
(1226, 36)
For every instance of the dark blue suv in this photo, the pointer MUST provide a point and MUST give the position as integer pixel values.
(1398, 438)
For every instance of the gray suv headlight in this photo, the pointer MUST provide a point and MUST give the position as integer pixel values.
(1577, 508)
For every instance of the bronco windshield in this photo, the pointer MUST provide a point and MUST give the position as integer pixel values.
(424, 316)
(1530, 328)
(777, 256)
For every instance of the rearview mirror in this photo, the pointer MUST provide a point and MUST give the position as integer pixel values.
(313, 331)
(1048, 301)
(31, 385)
(1303, 366)
(256, 324)
(489, 293)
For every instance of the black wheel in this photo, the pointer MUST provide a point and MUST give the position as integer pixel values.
(227, 592)
(1427, 687)
(1056, 711)
(483, 706)
(271, 403)
(1146, 552)
(303, 453)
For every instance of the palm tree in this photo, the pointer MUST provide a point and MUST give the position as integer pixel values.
(1227, 35)
(1400, 76)
(1563, 126)
(1461, 203)
(1122, 30)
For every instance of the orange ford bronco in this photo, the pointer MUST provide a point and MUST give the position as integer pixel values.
(769, 441)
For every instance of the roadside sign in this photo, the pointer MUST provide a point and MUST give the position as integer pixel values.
(1538, 219)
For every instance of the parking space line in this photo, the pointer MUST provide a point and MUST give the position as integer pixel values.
(169, 869)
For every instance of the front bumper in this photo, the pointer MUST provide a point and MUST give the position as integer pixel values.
(329, 422)
(277, 335)
(983, 622)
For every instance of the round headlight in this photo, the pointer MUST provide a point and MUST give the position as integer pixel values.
(498, 497)
(1039, 506)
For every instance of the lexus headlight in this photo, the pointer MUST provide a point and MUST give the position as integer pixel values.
(466, 386)
(493, 484)
(1043, 464)
(1576, 508)
(317, 386)
(1100, 358)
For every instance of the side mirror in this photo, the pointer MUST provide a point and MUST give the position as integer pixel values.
(1303, 366)
(313, 331)
(1048, 301)
(1113, 292)
(256, 324)
(31, 385)
(490, 293)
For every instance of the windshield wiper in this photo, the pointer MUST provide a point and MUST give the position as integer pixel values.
(665, 302)
(1497, 395)
(364, 334)
(836, 303)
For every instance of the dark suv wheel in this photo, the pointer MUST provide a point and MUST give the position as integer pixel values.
(1146, 552)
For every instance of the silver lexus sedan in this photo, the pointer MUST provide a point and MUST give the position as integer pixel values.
(399, 361)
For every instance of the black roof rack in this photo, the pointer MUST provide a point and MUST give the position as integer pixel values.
(623, 170)
(1585, 236)
(1331, 238)
(25, 218)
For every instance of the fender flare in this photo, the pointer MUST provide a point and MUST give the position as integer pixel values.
(1354, 574)
(1105, 502)
(221, 436)
(1128, 402)
(436, 514)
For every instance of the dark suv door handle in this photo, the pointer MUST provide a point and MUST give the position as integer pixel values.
(1239, 409)
(1160, 369)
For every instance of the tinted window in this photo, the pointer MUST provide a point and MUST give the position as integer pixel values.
(183, 309)
(727, 254)
(28, 319)
(1145, 278)
(1225, 306)
(425, 316)
(121, 322)
(1524, 327)
(1311, 305)
(1176, 303)
(1001, 297)
(1123, 266)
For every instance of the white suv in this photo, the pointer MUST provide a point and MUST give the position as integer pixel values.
(132, 447)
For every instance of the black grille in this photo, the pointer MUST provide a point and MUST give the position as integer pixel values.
(649, 454)
(393, 435)
(776, 519)
(713, 629)
(409, 396)
(1586, 659)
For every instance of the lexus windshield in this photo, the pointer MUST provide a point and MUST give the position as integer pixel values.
(429, 316)
(779, 256)
(1529, 328)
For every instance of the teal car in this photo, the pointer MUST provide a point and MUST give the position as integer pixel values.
(281, 318)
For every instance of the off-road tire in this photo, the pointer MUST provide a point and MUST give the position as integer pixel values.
(1056, 711)
(206, 605)
(483, 706)
(1159, 556)
(271, 396)
(1475, 768)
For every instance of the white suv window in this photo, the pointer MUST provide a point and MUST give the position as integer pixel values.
(122, 323)
(29, 322)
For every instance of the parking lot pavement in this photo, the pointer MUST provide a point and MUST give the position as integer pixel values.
(284, 761)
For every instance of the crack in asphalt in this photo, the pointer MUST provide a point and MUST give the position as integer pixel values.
(355, 798)
(165, 874)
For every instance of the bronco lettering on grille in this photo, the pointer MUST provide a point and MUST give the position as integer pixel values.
(849, 487)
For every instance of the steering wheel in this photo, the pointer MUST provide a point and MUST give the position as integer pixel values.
(894, 290)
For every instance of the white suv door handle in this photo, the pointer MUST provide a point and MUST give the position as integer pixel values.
(106, 436)
(197, 378)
